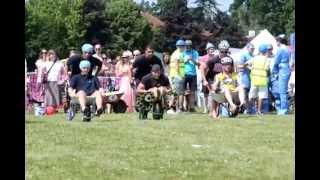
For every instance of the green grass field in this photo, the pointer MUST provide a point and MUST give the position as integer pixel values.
(187, 146)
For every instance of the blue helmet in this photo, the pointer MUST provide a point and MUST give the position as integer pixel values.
(87, 48)
(180, 42)
(84, 64)
(263, 48)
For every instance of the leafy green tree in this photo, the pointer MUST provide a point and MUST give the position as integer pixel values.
(129, 30)
(274, 15)
(96, 23)
(53, 25)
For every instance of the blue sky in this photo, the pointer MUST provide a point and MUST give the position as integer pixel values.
(223, 4)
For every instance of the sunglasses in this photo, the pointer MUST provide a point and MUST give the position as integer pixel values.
(149, 51)
(224, 52)
(44, 52)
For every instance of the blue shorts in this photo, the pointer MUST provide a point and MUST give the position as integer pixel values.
(190, 82)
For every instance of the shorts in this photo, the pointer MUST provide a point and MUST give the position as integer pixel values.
(178, 85)
(190, 80)
(258, 91)
(220, 97)
(205, 89)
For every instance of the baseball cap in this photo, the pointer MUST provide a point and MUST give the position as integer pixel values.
(155, 67)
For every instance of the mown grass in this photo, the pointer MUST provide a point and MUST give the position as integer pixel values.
(186, 146)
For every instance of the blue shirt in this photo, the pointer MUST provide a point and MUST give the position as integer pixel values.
(245, 73)
(281, 60)
(189, 66)
(89, 84)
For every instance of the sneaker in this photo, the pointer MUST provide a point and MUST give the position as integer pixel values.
(192, 110)
(86, 114)
(171, 111)
(99, 112)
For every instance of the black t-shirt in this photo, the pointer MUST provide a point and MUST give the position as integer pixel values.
(144, 65)
(214, 67)
(74, 61)
(87, 83)
(149, 82)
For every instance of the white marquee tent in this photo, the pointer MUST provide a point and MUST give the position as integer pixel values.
(263, 37)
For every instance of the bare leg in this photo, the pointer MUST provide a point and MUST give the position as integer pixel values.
(242, 95)
(214, 111)
(205, 105)
(260, 101)
(108, 108)
(98, 97)
(191, 100)
(228, 95)
(82, 99)
(180, 101)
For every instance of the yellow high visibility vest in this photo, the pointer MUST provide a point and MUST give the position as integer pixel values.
(259, 71)
(226, 82)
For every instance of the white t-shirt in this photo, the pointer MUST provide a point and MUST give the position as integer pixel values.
(56, 70)
(39, 63)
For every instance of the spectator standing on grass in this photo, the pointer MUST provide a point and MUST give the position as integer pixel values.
(165, 63)
(54, 71)
(244, 71)
(190, 58)
(42, 59)
(98, 52)
(282, 70)
(176, 76)
(260, 66)
(123, 70)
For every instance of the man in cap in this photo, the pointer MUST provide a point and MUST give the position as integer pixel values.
(74, 61)
(191, 62)
(176, 74)
(227, 82)
(83, 85)
(154, 81)
(260, 73)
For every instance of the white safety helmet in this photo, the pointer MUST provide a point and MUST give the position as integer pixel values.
(224, 45)
(209, 45)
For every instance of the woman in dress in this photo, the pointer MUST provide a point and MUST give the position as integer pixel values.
(123, 71)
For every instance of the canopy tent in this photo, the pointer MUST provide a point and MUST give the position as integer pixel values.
(263, 37)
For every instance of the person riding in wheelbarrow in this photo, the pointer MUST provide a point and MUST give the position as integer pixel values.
(226, 88)
(83, 86)
(155, 83)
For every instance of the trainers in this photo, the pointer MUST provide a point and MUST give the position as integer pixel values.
(99, 112)
(192, 110)
(171, 111)
(86, 114)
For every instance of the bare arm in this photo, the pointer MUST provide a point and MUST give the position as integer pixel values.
(203, 70)
(141, 88)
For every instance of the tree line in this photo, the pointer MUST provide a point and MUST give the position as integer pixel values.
(119, 24)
